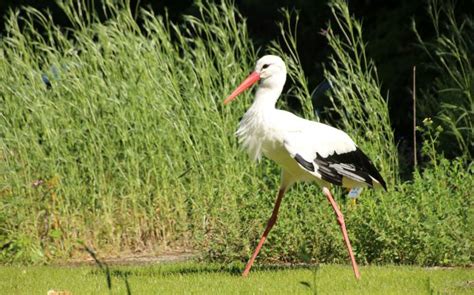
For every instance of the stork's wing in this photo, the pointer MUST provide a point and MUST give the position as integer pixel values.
(330, 154)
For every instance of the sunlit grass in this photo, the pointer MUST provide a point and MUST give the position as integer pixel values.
(192, 278)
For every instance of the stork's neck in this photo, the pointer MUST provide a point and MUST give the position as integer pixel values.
(268, 93)
(257, 119)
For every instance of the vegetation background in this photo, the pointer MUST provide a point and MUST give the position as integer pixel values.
(113, 132)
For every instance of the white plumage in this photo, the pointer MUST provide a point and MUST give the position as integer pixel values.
(280, 135)
(305, 150)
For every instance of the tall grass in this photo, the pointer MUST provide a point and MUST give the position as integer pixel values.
(450, 56)
(287, 47)
(127, 147)
(362, 110)
(132, 129)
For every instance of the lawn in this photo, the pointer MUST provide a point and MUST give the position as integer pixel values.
(198, 278)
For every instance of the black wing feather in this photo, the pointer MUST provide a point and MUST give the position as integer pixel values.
(354, 164)
(307, 165)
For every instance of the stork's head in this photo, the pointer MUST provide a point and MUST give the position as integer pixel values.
(270, 69)
(270, 66)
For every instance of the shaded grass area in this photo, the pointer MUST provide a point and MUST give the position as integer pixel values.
(195, 278)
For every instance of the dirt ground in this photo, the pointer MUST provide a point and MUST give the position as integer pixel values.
(133, 259)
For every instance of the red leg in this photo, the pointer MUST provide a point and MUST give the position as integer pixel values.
(340, 219)
(270, 224)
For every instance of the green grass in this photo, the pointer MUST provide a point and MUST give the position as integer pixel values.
(193, 278)
(131, 149)
(450, 56)
(358, 105)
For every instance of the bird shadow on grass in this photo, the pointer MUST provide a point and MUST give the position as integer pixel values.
(164, 270)
(234, 269)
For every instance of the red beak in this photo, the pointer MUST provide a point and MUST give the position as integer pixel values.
(249, 81)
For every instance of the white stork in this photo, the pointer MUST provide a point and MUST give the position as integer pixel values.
(305, 150)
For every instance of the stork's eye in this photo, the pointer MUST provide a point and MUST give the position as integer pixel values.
(265, 66)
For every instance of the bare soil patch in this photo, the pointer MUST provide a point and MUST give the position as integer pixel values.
(134, 259)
